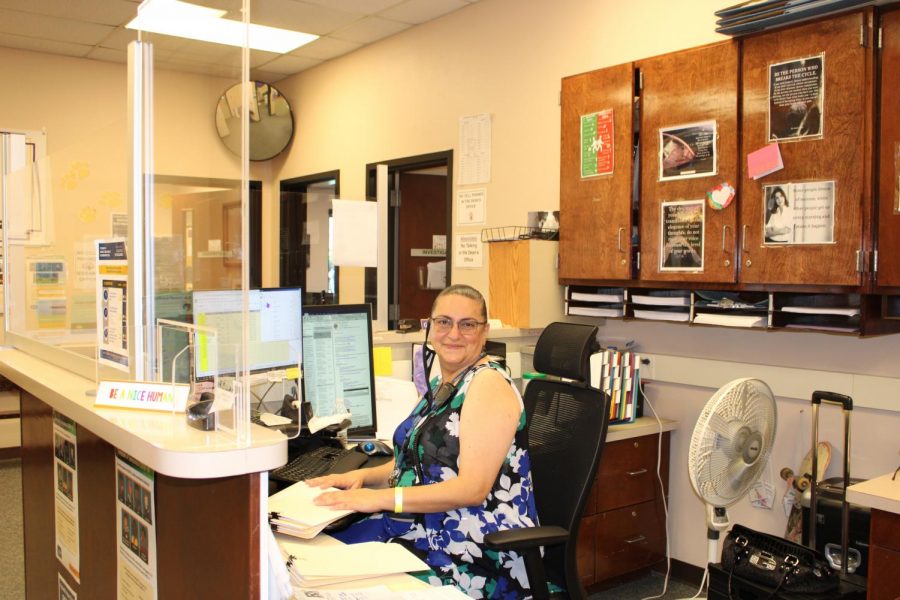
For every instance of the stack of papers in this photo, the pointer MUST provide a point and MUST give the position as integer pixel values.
(292, 511)
(313, 566)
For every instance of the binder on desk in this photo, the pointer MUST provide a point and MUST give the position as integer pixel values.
(316, 565)
(292, 511)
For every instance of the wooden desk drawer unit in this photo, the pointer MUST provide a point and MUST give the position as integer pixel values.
(884, 556)
(623, 526)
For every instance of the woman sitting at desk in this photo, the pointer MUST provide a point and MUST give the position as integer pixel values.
(460, 469)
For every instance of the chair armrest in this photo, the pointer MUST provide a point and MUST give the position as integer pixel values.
(523, 538)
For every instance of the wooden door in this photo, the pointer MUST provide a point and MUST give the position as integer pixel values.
(689, 108)
(595, 209)
(835, 148)
(422, 215)
(888, 273)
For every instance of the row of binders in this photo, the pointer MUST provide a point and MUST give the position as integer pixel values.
(757, 15)
(618, 373)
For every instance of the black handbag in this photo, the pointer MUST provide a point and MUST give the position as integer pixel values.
(775, 563)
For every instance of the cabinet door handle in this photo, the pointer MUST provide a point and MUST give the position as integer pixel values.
(634, 540)
(619, 239)
(725, 229)
(636, 473)
(743, 237)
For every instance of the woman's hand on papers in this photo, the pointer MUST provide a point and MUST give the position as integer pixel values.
(359, 500)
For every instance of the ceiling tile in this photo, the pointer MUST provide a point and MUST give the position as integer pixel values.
(53, 28)
(300, 16)
(259, 58)
(359, 7)
(420, 11)
(27, 43)
(325, 48)
(106, 12)
(288, 64)
(369, 29)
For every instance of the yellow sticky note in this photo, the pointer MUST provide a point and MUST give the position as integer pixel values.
(384, 363)
(291, 373)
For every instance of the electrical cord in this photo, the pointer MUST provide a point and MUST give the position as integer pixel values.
(662, 489)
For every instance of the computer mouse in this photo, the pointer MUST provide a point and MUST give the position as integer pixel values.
(375, 448)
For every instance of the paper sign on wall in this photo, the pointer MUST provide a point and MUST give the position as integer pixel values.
(355, 233)
(469, 251)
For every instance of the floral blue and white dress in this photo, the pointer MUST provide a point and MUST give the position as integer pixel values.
(451, 543)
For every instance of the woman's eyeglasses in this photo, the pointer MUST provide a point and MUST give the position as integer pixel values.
(465, 326)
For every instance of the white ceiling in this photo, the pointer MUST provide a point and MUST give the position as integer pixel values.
(95, 29)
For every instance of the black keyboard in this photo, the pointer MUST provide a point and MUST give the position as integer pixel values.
(319, 461)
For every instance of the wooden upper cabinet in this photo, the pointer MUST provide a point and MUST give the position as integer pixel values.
(596, 175)
(689, 117)
(838, 152)
(888, 273)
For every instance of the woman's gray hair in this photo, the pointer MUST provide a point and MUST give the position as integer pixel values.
(467, 291)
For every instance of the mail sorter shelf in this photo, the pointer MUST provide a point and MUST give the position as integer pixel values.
(595, 301)
(890, 307)
(732, 309)
(839, 313)
(660, 305)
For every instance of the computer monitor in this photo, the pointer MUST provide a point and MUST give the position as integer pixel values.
(275, 330)
(337, 363)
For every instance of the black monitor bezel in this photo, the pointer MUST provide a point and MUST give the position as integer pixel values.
(331, 309)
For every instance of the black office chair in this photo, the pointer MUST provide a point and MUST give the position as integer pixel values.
(566, 422)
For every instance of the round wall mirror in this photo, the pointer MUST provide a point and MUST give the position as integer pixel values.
(271, 120)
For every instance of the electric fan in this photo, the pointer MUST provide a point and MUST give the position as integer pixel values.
(729, 448)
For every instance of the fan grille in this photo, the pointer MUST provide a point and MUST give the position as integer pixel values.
(732, 441)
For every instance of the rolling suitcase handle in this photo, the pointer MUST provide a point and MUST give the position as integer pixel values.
(846, 404)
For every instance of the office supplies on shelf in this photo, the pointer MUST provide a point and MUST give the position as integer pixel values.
(595, 311)
(292, 511)
(730, 320)
(319, 461)
(618, 375)
(663, 298)
(661, 315)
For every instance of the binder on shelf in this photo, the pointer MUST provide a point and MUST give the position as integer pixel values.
(618, 375)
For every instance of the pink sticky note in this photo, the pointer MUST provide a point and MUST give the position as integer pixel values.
(764, 161)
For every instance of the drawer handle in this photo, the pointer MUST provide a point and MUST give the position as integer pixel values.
(635, 473)
(636, 539)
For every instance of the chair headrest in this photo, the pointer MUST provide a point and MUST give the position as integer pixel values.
(564, 350)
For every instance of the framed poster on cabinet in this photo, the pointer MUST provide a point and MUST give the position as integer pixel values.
(687, 151)
(682, 230)
(597, 143)
(797, 99)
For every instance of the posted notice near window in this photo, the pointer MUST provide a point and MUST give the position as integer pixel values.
(136, 566)
(682, 231)
(469, 251)
(597, 154)
(65, 497)
(797, 98)
(798, 213)
(112, 303)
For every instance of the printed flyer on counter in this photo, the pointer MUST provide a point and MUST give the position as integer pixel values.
(112, 303)
(65, 509)
(136, 567)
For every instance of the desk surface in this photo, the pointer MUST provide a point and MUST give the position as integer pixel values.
(640, 427)
(881, 493)
(162, 441)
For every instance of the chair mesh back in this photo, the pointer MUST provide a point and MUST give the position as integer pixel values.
(566, 425)
(564, 350)
(566, 432)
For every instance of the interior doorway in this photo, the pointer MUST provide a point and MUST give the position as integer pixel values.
(419, 226)
(305, 247)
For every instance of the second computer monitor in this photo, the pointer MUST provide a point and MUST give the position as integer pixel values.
(337, 363)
